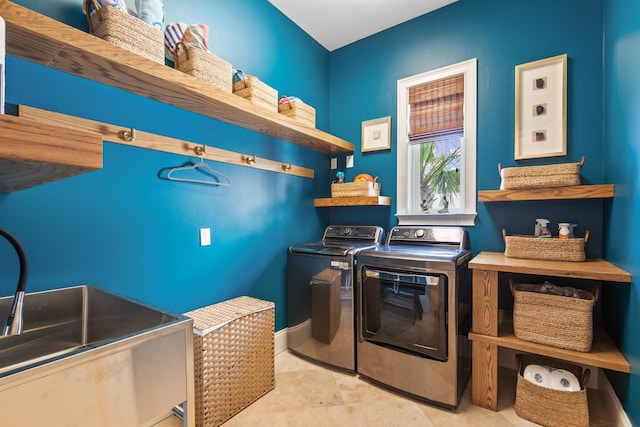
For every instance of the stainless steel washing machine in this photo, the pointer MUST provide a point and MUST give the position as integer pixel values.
(320, 305)
(414, 313)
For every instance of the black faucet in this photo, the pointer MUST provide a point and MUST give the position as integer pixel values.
(13, 325)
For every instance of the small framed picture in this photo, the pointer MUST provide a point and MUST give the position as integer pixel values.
(376, 134)
(541, 108)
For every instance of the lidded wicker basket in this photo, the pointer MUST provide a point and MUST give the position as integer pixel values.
(126, 31)
(204, 66)
(233, 357)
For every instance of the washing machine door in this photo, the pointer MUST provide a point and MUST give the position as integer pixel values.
(405, 311)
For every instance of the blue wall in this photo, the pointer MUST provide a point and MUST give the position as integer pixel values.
(124, 229)
(502, 34)
(621, 164)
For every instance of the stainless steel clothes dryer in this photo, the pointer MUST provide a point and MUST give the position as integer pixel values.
(320, 306)
(414, 313)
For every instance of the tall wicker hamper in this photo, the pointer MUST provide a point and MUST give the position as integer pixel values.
(233, 357)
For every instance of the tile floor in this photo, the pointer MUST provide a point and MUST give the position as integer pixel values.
(306, 394)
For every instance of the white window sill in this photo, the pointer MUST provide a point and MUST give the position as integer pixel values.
(467, 219)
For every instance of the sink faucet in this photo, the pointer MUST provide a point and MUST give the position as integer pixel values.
(13, 325)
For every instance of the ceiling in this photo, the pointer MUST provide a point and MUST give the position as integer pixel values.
(337, 23)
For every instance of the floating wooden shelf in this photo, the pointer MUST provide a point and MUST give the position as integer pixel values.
(353, 201)
(554, 193)
(34, 153)
(40, 39)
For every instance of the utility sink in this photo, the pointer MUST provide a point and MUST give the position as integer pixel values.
(90, 357)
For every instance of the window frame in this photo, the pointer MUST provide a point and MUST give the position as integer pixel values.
(407, 174)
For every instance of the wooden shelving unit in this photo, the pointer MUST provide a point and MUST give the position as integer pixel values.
(40, 39)
(493, 329)
(554, 193)
(34, 153)
(353, 201)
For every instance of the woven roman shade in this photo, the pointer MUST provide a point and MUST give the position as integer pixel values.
(436, 108)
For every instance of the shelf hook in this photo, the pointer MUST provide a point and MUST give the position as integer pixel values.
(250, 160)
(129, 135)
(200, 150)
(286, 167)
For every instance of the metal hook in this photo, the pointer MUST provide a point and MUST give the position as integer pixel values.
(200, 150)
(250, 160)
(129, 135)
(286, 167)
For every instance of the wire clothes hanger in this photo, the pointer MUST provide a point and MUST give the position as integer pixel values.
(203, 167)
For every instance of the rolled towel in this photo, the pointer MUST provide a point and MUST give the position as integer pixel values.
(172, 36)
(151, 12)
(196, 35)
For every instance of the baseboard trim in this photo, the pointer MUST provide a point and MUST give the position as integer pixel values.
(611, 402)
(280, 344)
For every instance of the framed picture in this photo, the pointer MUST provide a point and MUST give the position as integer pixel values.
(376, 134)
(541, 108)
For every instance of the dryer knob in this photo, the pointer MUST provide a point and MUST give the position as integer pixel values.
(419, 233)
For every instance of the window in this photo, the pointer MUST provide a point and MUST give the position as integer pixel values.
(437, 147)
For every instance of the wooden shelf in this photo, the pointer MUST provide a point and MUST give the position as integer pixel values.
(353, 201)
(591, 269)
(40, 39)
(555, 193)
(492, 329)
(34, 153)
(603, 354)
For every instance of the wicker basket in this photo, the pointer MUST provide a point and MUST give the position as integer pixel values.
(298, 111)
(549, 407)
(545, 248)
(254, 90)
(233, 357)
(560, 175)
(204, 66)
(356, 189)
(126, 31)
(554, 320)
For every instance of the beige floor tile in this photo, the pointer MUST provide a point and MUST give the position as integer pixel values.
(307, 394)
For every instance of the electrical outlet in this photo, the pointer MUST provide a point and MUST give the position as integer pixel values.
(205, 237)
(334, 163)
(350, 161)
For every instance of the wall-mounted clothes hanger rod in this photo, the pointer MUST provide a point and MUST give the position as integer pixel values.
(137, 138)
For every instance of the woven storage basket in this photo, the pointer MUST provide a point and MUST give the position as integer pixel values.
(233, 357)
(554, 320)
(356, 189)
(259, 93)
(126, 31)
(298, 111)
(204, 66)
(549, 407)
(545, 248)
(560, 175)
